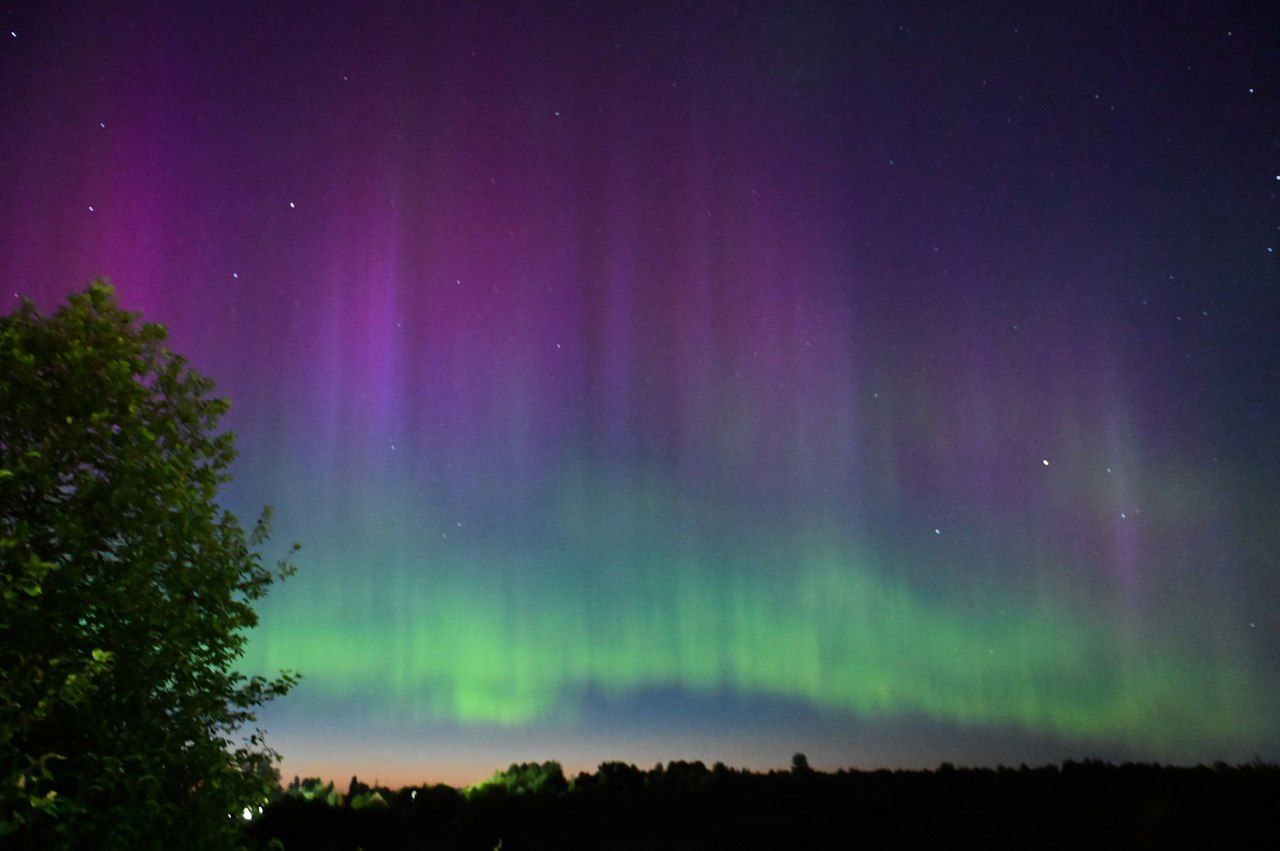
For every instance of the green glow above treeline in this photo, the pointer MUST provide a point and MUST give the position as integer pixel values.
(513, 637)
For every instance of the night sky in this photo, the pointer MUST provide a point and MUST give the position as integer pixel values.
(712, 381)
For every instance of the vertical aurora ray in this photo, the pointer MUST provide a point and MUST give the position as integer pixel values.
(672, 362)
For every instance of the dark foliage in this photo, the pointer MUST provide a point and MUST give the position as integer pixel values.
(683, 805)
(125, 592)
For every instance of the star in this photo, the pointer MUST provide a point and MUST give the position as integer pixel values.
(937, 531)
(292, 205)
(235, 274)
(90, 208)
(1045, 462)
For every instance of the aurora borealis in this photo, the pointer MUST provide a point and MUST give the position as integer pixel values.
(896, 384)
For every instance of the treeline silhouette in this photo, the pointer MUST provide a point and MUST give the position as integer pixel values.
(686, 805)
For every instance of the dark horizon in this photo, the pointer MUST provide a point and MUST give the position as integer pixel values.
(495, 776)
(690, 805)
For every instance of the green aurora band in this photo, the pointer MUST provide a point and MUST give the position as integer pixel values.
(498, 638)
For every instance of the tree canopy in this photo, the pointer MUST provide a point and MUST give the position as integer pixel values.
(125, 591)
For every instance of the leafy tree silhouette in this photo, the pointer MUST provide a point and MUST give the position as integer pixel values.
(125, 591)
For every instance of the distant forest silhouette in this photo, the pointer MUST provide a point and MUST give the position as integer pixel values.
(686, 805)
